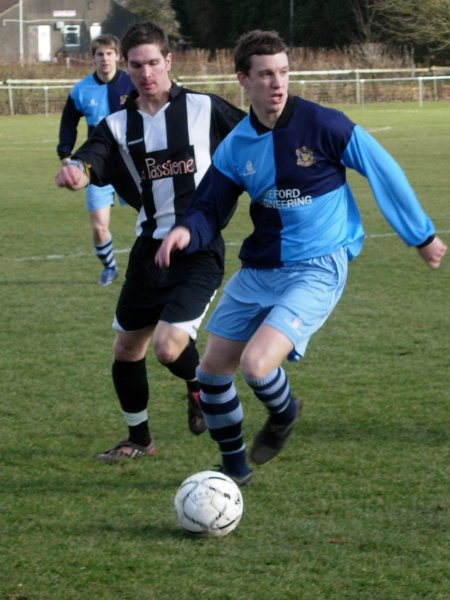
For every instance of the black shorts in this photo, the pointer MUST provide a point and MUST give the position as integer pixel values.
(176, 294)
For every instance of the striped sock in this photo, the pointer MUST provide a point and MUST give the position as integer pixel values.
(105, 253)
(274, 392)
(223, 415)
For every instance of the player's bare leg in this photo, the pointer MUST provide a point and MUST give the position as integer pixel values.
(177, 351)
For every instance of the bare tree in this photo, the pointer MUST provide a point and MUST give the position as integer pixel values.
(417, 22)
(408, 25)
(365, 15)
(158, 11)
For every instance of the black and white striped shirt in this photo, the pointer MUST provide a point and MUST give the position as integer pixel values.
(156, 162)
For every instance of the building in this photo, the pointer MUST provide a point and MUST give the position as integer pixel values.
(45, 30)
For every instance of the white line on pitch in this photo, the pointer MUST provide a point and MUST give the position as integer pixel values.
(379, 129)
(126, 250)
(63, 256)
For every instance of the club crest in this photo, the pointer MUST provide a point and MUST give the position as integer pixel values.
(249, 170)
(305, 156)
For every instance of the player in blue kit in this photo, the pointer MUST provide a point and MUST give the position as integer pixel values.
(291, 156)
(96, 96)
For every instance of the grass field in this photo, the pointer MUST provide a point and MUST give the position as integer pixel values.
(355, 508)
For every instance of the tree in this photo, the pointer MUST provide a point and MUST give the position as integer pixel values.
(207, 20)
(417, 22)
(219, 23)
(158, 11)
(366, 19)
(264, 14)
(322, 23)
(420, 25)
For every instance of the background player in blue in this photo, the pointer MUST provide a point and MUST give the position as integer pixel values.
(291, 156)
(94, 97)
(155, 152)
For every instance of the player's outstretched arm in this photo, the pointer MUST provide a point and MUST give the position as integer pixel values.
(71, 177)
(177, 239)
(433, 252)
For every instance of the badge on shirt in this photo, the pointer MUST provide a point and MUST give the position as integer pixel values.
(305, 156)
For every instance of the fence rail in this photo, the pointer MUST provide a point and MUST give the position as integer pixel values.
(48, 97)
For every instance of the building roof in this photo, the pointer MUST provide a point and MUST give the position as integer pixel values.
(7, 4)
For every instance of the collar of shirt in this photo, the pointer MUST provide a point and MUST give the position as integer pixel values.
(282, 121)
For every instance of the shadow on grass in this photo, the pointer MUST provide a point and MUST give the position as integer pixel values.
(147, 531)
(369, 432)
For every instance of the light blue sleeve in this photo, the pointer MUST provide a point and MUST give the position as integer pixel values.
(392, 190)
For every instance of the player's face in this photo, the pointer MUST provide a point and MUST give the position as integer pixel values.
(149, 72)
(106, 60)
(267, 84)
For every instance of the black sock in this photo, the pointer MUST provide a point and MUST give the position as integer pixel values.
(185, 365)
(130, 381)
(193, 386)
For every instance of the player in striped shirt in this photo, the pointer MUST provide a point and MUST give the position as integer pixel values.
(155, 152)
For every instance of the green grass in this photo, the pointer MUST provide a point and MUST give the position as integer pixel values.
(356, 507)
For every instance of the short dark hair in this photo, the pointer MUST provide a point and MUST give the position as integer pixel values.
(256, 42)
(145, 33)
(105, 39)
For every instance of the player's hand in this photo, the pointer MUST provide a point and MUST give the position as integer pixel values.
(433, 253)
(71, 177)
(177, 239)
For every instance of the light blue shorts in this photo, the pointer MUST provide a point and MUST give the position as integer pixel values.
(294, 300)
(99, 197)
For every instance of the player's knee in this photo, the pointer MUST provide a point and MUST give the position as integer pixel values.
(253, 366)
(166, 351)
(126, 352)
(252, 372)
(101, 232)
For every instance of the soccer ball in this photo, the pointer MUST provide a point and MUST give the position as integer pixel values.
(209, 503)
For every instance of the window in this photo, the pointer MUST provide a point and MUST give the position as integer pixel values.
(71, 35)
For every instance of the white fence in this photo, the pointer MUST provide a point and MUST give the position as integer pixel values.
(32, 98)
(352, 86)
(333, 87)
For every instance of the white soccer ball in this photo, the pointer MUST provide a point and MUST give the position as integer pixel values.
(209, 503)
